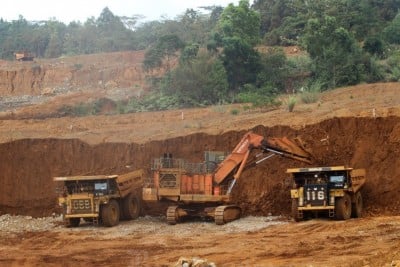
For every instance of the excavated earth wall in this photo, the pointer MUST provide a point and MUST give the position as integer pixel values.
(48, 76)
(27, 166)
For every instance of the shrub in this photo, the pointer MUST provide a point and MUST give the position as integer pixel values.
(291, 103)
(235, 111)
(258, 97)
(311, 94)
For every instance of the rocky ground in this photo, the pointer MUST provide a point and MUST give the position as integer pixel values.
(145, 225)
(250, 241)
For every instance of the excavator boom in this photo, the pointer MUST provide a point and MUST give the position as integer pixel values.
(239, 156)
(206, 191)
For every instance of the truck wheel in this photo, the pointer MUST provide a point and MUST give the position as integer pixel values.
(74, 222)
(131, 207)
(110, 213)
(343, 207)
(357, 205)
(295, 212)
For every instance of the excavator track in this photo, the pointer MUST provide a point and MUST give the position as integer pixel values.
(225, 214)
(172, 215)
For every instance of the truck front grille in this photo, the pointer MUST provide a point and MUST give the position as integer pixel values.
(79, 206)
(316, 194)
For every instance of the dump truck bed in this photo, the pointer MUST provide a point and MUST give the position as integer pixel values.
(125, 182)
(319, 169)
(84, 178)
(129, 181)
(357, 176)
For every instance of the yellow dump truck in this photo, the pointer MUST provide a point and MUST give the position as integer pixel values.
(101, 198)
(331, 190)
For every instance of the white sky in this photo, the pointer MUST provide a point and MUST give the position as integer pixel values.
(79, 10)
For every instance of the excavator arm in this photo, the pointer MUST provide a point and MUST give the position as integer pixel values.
(238, 159)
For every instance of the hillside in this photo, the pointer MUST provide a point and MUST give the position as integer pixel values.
(355, 126)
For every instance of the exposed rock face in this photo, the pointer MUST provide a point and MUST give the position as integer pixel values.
(122, 70)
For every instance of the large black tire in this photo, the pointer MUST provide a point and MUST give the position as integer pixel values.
(131, 207)
(74, 222)
(110, 213)
(295, 212)
(357, 206)
(343, 207)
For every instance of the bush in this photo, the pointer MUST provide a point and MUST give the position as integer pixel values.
(308, 97)
(392, 67)
(311, 94)
(258, 97)
(235, 111)
(79, 110)
(291, 103)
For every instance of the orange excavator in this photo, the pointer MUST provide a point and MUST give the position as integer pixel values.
(204, 189)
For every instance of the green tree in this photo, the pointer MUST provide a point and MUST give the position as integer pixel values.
(190, 52)
(240, 21)
(56, 31)
(392, 31)
(337, 60)
(274, 69)
(199, 81)
(375, 46)
(115, 36)
(241, 62)
(165, 48)
(237, 32)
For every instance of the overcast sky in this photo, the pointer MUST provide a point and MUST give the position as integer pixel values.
(79, 10)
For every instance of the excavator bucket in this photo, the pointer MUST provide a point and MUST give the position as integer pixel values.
(239, 156)
(291, 149)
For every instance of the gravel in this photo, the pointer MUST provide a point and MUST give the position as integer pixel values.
(147, 224)
(158, 226)
(20, 224)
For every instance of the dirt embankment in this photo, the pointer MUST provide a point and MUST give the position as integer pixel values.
(50, 76)
(28, 165)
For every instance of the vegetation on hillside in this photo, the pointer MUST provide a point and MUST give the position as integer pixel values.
(214, 57)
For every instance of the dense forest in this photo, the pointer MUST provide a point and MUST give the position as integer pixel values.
(234, 54)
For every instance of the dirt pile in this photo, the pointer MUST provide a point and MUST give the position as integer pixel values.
(28, 165)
